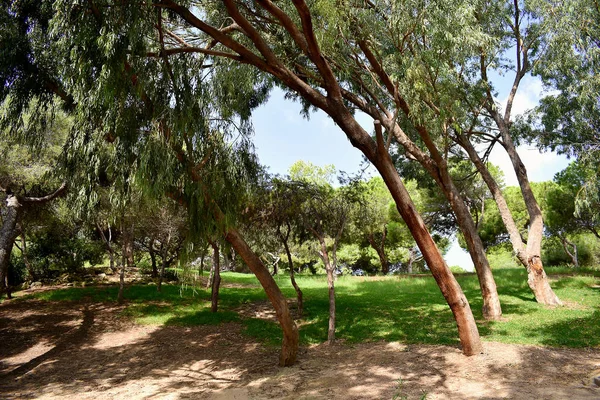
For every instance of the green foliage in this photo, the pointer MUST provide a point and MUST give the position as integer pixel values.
(501, 257)
(411, 310)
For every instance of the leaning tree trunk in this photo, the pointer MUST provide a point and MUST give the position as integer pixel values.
(8, 234)
(530, 255)
(293, 278)
(216, 281)
(289, 347)
(573, 255)
(491, 308)
(451, 290)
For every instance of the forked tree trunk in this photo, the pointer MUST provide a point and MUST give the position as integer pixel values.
(216, 281)
(289, 347)
(529, 256)
(8, 234)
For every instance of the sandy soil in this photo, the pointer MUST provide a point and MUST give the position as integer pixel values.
(86, 351)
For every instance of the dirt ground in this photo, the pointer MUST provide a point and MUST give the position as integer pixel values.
(86, 351)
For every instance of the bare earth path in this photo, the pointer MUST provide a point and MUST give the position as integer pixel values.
(86, 351)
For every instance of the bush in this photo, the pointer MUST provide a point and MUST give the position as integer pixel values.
(501, 256)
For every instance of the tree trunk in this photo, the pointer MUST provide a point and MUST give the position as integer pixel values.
(107, 242)
(573, 256)
(152, 254)
(491, 308)
(289, 347)
(451, 290)
(122, 276)
(216, 281)
(331, 287)
(293, 278)
(8, 234)
(380, 249)
(30, 270)
(530, 255)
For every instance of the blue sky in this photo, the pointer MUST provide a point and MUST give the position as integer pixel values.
(283, 136)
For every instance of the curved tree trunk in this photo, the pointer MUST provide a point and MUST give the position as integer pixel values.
(573, 255)
(451, 290)
(8, 234)
(216, 281)
(529, 255)
(491, 308)
(289, 347)
(292, 276)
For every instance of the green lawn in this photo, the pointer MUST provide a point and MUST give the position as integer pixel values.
(410, 310)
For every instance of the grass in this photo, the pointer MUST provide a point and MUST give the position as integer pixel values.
(411, 310)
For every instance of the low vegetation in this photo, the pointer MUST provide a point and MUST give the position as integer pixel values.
(406, 309)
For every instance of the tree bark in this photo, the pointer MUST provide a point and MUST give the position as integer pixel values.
(216, 281)
(530, 255)
(8, 235)
(451, 290)
(289, 347)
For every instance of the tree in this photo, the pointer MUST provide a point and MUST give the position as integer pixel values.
(324, 213)
(314, 81)
(124, 73)
(371, 217)
(26, 179)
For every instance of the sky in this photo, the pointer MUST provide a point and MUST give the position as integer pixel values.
(283, 136)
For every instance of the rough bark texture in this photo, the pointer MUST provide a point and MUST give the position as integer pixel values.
(529, 255)
(216, 281)
(8, 234)
(289, 347)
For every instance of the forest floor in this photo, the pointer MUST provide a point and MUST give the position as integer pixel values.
(88, 350)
